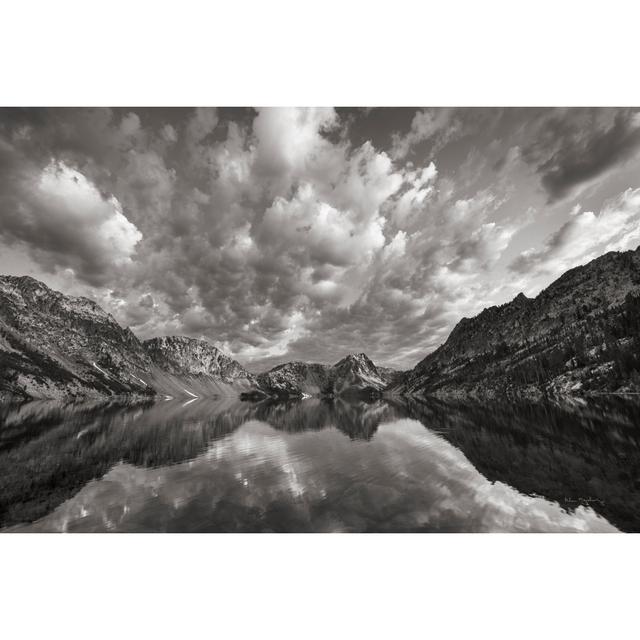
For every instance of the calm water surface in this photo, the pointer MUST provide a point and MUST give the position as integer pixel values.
(320, 466)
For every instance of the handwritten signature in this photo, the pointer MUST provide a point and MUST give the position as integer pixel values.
(587, 500)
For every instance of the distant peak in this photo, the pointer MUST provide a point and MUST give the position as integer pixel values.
(355, 357)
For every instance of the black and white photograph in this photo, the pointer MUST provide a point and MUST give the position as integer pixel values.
(320, 319)
(304, 307)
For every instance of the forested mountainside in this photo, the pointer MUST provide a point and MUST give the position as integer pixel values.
(581, 334)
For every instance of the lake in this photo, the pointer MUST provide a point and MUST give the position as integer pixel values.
(321, 466)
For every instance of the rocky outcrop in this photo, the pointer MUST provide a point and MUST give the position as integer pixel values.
(581, 334)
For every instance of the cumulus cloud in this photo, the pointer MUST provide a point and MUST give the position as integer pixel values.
(435, 127)
(317, 232)
(64, 220)
(585, 236)
(130, 125)
(201, 124)
(282, 240)
(146, 186)
(277, 236)
(413, 199)
(483, 247)
(288, 136)
(169, 133)
(418, 285)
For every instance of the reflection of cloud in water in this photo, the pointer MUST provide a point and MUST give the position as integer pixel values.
(406, 478)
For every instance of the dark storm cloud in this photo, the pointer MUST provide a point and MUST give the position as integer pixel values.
(576, 146)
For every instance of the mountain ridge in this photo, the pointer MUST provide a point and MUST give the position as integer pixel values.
(58, 346)
(52, 345)
(353, 375)
(580, 333)
(65, 347)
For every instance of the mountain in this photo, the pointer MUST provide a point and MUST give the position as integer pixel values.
(581, 334)
(58, 346)
(296, 379)
(180, 355)
(52, 345)
(356, 374)
(353, 375)
(182, 364)
(65, 347)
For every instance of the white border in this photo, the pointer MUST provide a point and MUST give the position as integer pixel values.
(490, 586)
(338, 52)
(72, 52)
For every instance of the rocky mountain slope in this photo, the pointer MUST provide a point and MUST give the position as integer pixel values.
(355, 374)
(52, 345)
(57, 346)
(180, 355)
(581, 334)
(195, 367)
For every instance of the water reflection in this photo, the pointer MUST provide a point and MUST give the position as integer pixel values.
(319, 466)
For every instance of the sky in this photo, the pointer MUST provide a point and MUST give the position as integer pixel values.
(284, 234)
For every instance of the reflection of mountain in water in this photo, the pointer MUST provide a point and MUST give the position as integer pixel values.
(405, 479)
(48, 450)
(358, 419)
(574, 455)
